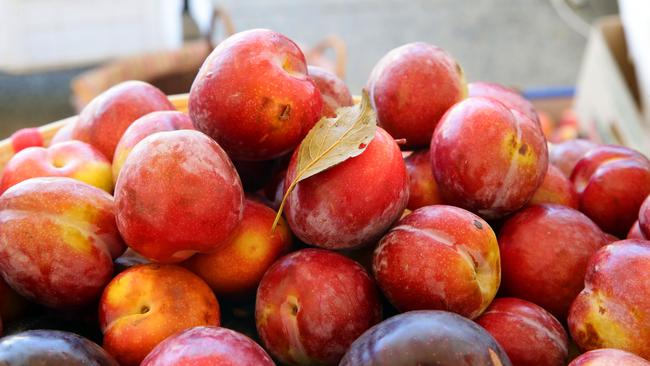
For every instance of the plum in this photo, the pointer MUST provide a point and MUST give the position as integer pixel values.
(487, 158)
(411, 87)
(426, 337)
(206, 346)
(52, 348)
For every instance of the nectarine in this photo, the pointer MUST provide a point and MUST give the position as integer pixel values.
(147, 303)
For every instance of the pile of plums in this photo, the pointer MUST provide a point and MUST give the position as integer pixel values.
(457, 237)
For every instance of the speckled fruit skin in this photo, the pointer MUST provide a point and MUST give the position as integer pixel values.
(411, 87)
(423, 189)
(59, 240)
(333, 90)
(613, 310)
(439, 258)
(177, 194)
(312, 304)
(235, 269)
(609, 357)
(635, 232)
(51, 348)
(254, 97)
(73, 159)
(566, 155)
(208, 346)
(426, 337)
(103, 121)
(510, 98)
(529, 334)
(612, 182)
(486, 158)
(644, 218)
(352, 203)
(145, 304)
(556, 188)
(544, 255)
(143, 127)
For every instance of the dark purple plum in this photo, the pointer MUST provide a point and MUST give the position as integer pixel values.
(426, 338)
(51, 348)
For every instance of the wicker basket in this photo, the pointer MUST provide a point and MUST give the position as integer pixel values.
(174, 71)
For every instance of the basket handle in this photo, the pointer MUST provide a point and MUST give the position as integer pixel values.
(219, 13)
(340, 53)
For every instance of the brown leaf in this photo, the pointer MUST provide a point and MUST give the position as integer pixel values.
(332, 141)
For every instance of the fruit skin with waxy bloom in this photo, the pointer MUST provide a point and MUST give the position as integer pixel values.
(565, 155)
(613, 309)
(312, 304)
(411, 87)
(426, 337)
(72, 159)
(423, 189)
(59, 240)
(352, 203)
(143, 127)
(439, 258)
(529, 334)
(64, 133)
(556, 188)
(177, 194)
(544, 254)
(510, 98)
(644, 218)
(253, 95)
(487, 158)
(635, 231)
(147, 303)
(103, 121)
(612, 182)
(609, 357)
(333, 90)
(207, 346)
(51, 348)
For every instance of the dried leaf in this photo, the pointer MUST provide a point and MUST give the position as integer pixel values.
(332, 141)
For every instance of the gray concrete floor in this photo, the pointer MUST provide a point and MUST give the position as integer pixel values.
(521, 43)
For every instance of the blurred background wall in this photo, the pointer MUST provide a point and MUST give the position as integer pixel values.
(520, 43)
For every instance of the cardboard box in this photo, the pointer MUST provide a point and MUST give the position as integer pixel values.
(635, 15)
(607, 97)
